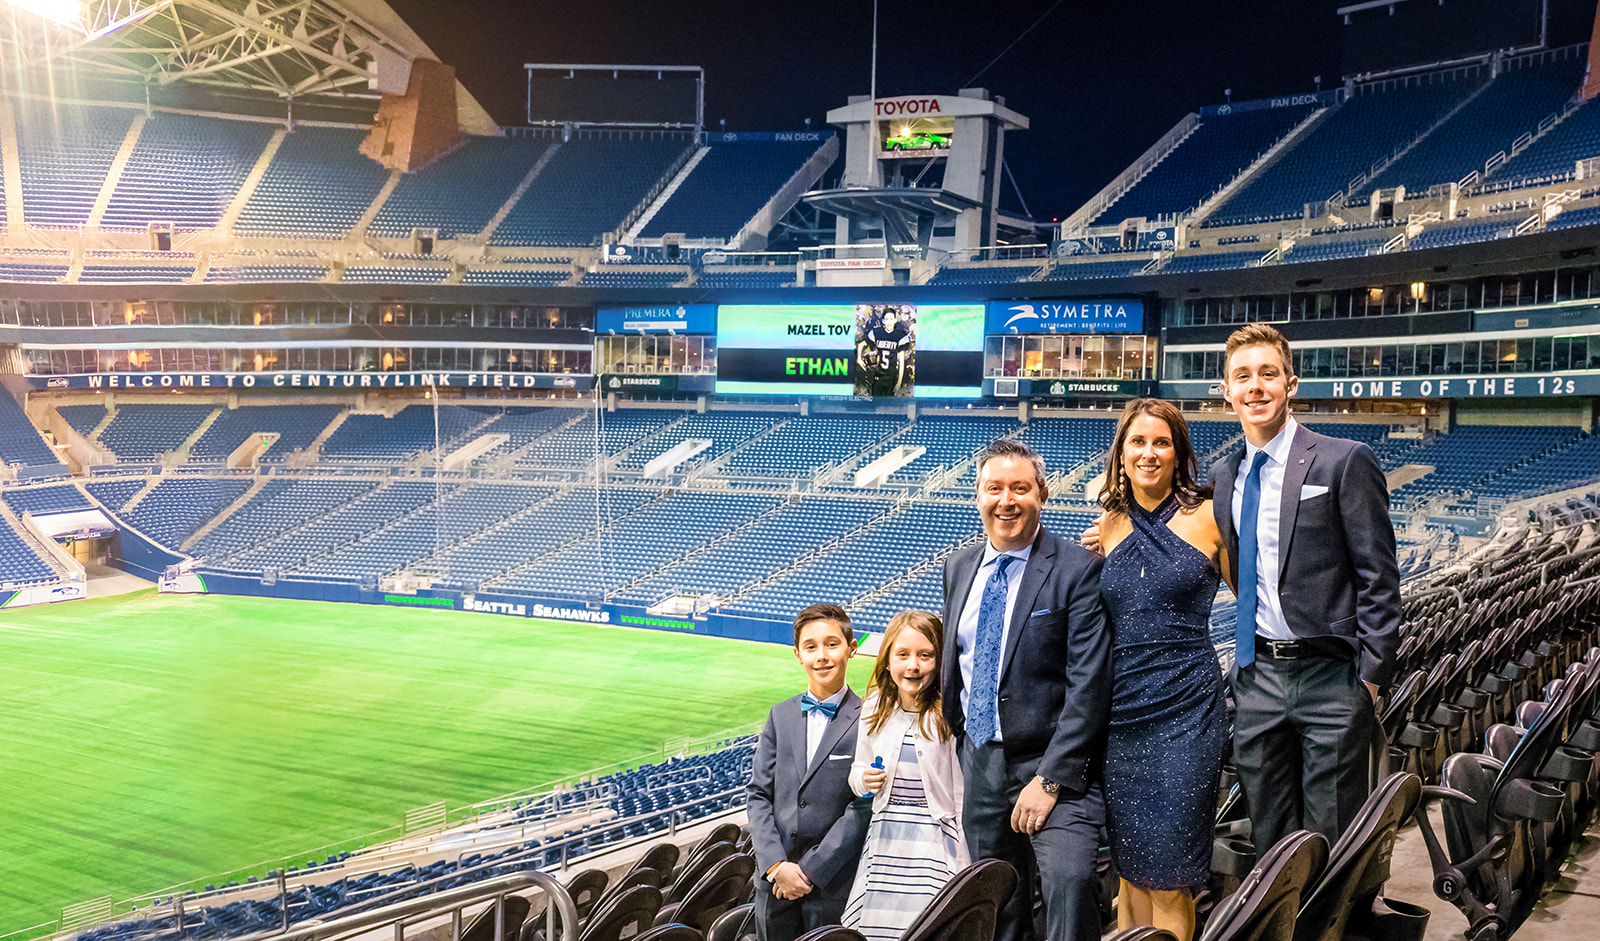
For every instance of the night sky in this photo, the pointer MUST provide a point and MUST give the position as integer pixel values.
(1100, 82)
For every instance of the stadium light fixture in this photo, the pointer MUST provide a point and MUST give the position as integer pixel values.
(64, 12)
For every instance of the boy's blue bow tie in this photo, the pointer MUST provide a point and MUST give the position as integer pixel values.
(809, 702)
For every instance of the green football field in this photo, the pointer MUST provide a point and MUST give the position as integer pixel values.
(154, 740)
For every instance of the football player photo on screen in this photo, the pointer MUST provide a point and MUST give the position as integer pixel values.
(886, 348)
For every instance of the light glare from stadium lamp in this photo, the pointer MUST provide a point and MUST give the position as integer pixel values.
(64, 12)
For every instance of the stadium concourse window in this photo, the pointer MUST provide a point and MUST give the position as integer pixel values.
(1058, 356)
(289, 313)
(1422, 297)
(45, 362)
(1470, 358)
(657, 355)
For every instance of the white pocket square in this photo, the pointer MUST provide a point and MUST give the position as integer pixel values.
(839, 757)
(1308, 491)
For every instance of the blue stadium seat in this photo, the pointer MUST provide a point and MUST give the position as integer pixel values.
(135, 274)
(803, 446)
(1089, 270)
(20, 565)
(279, 507)
(21, 443)
(31, 273)
(1554, 154)
(145, 432)
(185, 170)
(395, 274)
(1214, 153)
(1461, 231)
(775, 277)
(729, 185)
(459, 193)
(517, 276)
(296, 427)
(176, 507)
(1211, 261)
(58, 498)
(410, 432)
(64, 153)
(318, 185)
(1512, 104)
(613, 277)
(1365, 128)
(243, 274)
(1336, 245)
(984, 274)
(588, 187)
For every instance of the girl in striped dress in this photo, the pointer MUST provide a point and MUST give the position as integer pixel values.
(906, 759)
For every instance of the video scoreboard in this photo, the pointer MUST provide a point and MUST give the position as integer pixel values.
(883, 350)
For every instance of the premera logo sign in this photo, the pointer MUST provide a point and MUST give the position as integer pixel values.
(1098, 315)
(666, 318)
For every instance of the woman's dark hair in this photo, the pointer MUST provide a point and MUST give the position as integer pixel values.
(1115, 494)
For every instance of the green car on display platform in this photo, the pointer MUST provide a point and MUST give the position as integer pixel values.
(918, 142)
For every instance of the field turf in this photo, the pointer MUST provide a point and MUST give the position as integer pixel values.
(153, 740)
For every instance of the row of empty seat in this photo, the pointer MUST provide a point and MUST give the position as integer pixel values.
(185, 170)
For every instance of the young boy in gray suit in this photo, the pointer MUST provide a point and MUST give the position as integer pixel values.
(807, 836)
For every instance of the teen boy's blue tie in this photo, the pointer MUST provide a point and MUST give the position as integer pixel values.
(982, 721)
(1244, 629)
(808, 703)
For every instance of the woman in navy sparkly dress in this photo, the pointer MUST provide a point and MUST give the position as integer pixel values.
(1169, 719)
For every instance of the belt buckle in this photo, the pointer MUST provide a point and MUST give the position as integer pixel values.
(1284, 649)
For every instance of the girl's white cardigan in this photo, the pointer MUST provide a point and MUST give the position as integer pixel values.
(936, 761)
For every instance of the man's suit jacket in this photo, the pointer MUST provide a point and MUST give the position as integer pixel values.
(1337, 573)
(1055, 673)
(802, 813)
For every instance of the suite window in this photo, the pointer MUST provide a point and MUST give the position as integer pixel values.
(1452, 359)
(1051, 361)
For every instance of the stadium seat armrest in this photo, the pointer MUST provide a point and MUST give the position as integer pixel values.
(1437, 792)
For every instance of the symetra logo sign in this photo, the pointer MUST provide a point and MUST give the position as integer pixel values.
(1101, 315)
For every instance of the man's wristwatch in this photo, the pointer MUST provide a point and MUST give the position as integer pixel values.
(1048, 786)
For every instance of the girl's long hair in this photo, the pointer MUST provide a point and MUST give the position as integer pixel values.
(930, 717)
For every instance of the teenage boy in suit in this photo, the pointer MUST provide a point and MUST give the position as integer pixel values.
(807, 836)
(1311, 551)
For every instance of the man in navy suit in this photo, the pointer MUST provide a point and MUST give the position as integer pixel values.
(1026, 690)
(806, 833)
(1311, 553)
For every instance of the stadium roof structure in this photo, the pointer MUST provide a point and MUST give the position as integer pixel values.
(908, 213)
(334, 56)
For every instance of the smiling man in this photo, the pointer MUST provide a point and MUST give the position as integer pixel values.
(1312, 557)
(1026, 691)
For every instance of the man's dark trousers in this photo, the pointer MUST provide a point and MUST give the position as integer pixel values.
(1069, 839)
(1305, 730)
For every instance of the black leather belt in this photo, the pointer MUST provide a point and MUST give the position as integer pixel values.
(1302, 649)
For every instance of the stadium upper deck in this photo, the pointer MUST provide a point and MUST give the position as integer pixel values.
(1480, 152)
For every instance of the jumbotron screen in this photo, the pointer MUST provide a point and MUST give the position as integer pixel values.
(879, 350)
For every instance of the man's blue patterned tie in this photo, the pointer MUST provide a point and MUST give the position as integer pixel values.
(983, 721)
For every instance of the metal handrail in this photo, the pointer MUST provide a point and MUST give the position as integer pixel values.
(453, 900)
